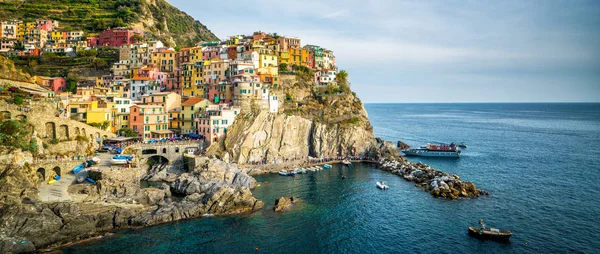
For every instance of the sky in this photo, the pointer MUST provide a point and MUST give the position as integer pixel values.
(405, 51)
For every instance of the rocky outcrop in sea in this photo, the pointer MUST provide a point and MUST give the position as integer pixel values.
(436, 182)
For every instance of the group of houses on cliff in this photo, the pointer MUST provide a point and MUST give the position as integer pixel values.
(160, 92)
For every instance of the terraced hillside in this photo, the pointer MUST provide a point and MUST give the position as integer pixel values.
(160, 19)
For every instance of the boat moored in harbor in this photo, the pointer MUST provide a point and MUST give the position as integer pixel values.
(434, 150)
(346, 162)
(382, 185)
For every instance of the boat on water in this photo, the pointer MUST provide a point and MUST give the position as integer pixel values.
(462, 145)
(382, 185)
(327, 166)
(434, 150)
(287, 173)
(300, 171)
(489, 234)
(346, 162)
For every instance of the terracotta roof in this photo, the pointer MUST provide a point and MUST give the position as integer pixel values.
(192, 101)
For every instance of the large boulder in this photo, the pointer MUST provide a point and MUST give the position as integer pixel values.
(283, 203)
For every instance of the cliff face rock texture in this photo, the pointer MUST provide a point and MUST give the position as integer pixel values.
(310, 122)
(271, 137)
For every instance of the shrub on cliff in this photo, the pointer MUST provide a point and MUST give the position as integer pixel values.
(17, 134)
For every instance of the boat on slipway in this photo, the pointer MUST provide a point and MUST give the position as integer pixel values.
(434, 150)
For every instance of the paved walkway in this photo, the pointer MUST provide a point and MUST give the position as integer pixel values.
(57, 192)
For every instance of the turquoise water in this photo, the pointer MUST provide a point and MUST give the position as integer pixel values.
(540, 162)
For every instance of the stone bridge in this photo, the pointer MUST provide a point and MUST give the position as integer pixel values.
(49, 127)
(165, 152)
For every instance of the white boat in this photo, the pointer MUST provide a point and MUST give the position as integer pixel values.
(317, 168)
(118, 161)
(434, 150)
(346, 162)
(96, 159)
(382, 185)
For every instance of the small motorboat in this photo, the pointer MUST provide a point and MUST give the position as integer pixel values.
(96, 160)
(346, 162)
(80, 179)
(489, 234)
(327, 166)
(90, 180)
(78, 168)
(462, 145)
(382, 185)
(287, 173)
(114, 161)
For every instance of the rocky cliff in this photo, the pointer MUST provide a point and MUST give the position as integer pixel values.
(313, 122)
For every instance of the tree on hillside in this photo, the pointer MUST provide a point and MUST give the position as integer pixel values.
(342, 80)
(283, 67)
(127, 132)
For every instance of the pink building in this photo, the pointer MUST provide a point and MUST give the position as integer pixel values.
(93, 42)
(209, 53)
(214, 122)
(174, 82)
(48, 25)
(119, 36)
(56, 84)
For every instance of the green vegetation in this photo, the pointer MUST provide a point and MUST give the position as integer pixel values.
(95, 62)
(283, 67)
(127, 132)
(17, 134)
(18, 100)
(9, 71)
(82, 139)
(93, 16)
(104, 125)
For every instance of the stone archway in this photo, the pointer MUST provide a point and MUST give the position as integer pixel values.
(177, 149)
(57, 170)
(51, 130)
(157, 159)
(164, 150)
(91, 138)
(83, 132)
(77, 131)
(149, 151)
(97, 135)
(41, 174)
(5, 115)
(21, 117)
(63, 132)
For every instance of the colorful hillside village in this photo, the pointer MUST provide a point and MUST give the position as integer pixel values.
(161, 93)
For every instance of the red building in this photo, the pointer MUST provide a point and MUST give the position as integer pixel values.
(93, 42)
(119, 36)
(232, 53)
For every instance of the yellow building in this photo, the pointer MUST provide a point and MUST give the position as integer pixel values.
(195, 54)
(175, 119)
(190, 110)
(193, 78)
(165, 61)
(78, 109)
(20, 31)
(266, 58)
(100, 116)
(283, 57)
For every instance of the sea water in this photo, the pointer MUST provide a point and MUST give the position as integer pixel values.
(539, 162)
